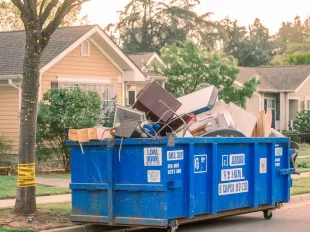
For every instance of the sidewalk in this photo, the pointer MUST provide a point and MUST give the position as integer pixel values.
(302, 175)
(40, 200)
(63, 183)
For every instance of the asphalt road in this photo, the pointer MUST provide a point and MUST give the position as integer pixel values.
(292, 217)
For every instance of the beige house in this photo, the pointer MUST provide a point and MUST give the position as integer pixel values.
(81, 56)
(284, 90)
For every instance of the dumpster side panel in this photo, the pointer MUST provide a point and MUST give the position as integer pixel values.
(140, 186)
(88, 181)
(234, 175)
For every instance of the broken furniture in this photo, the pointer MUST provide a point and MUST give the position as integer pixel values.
(157, 103)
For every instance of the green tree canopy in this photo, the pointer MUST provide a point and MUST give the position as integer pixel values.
(251, 48)
(296, 32)
(189, 69)
(10, 16)
(148, 25)
(295, 54)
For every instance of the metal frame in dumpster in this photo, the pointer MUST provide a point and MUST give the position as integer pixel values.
(265, 180)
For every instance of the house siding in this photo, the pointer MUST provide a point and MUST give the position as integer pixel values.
(9, 115)
(252, 104)
(95, 66)
(303, 92)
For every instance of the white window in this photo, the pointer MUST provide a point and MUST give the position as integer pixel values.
(106, 92)
(85, 48)
(307, 103)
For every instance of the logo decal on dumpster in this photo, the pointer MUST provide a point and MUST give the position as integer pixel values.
(153, 156)
(233, 188)
(278, 151)
(200, 163)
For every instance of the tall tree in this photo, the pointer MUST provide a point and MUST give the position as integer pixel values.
(292, 32)
(189, 69)
(10, 16)
(251, 48)
(37, 38)
(148, 25)
(235, 38)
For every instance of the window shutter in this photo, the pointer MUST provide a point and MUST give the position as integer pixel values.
(54, 85)
(85, 50)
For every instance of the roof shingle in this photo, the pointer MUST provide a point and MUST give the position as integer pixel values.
(282, 78)
(12, 47)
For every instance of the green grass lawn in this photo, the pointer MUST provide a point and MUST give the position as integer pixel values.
(8, 188)
(300, 186)
(6, 229)
(304, 150)
(58, 176)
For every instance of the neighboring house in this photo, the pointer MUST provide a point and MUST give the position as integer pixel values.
(284, 90)
(82, 56)
(146, 62)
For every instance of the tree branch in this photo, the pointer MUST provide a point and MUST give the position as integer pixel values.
(21, 7)
(47, 10)
(62, 11)
(41, 7)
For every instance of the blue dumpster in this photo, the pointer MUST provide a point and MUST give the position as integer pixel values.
(170, 181)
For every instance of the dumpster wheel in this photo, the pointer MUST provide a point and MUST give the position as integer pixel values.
(268, 214)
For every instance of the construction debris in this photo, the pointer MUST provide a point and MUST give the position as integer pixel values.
(156, 113)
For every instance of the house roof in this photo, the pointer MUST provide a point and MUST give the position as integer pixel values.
(282, 78)
(12, 47)
(141, 59)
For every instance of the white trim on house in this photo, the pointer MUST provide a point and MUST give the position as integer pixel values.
(274, 91)
(84, 80)
(152, 58)
(68, 50)
(121, 53)
(106, 55)
(302, 84)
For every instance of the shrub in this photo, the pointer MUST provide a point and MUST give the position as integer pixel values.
(5, 145)
(60, 109)
(303, 164)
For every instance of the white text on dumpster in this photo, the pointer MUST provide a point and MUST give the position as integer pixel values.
(233, 188)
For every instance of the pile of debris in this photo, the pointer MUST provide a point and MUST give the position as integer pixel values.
(157, 113)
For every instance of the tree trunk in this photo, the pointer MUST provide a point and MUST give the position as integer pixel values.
(25, 197)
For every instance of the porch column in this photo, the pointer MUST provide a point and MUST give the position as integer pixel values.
(283, 111)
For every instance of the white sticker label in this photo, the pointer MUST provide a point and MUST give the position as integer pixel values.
(153, 176)
(278, 159)
(277, 164)
(263, 165)
(153, 156)
(233, 188)
(237, 160)
(232, 174)
(175, 155)
(278, 151)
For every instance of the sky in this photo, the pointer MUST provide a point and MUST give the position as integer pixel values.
(270, 12)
